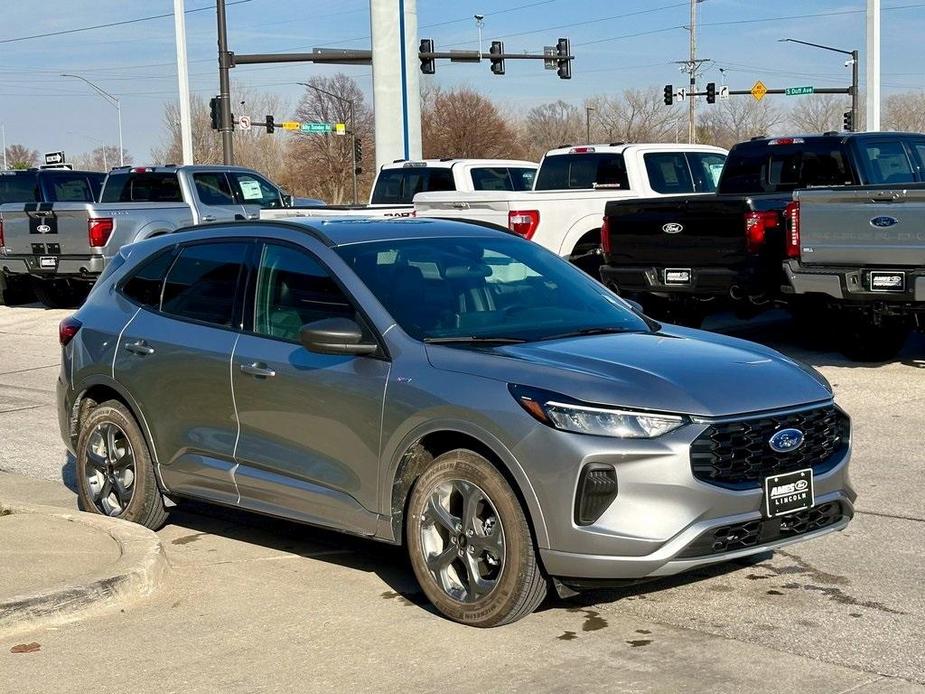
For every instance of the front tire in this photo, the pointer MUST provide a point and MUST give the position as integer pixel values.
(115, 474)
(470, 544)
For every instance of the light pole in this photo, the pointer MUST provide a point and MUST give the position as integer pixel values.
(113, 101)
(353, 135)
(588, 110)
(854, 73)
(479, 23)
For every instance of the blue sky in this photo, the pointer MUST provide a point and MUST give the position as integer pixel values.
(618, 44)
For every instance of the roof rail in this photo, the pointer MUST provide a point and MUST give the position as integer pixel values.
(758, 137)
(396, 161)
(617, 143)
(830, 132)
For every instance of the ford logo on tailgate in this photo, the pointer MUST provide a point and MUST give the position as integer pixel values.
(786, 440)
(43, 228)
(673, 228)
(883, 222)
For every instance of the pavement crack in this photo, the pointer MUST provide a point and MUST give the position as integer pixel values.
(27, 407)
(890, 515)
(857, 686)
(31, 368)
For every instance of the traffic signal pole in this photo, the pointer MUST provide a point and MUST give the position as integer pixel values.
(226, 126)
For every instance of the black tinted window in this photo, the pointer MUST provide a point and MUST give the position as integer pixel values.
(771, 168)
(582, 172)
(203, 282)
(144, 285)
(668, 173)
(399, 186)
(294, 289)
(19, 186)
(886, 162)
(70, 188)
(146, 186)
(502, 178)
(706, 169)
(213, 189)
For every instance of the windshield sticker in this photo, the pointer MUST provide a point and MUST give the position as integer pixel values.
(250, 189)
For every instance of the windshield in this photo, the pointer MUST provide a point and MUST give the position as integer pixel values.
(444, 288)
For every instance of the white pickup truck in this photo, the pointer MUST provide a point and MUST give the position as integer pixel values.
(398, 183)
(563, 211)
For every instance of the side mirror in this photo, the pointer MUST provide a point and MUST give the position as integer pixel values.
(335, 336)
(287, 199)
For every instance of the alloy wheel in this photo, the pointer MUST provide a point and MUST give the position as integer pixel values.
(110, 470)
(462, 540)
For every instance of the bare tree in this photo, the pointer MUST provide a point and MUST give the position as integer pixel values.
(21, 157)
(905, 112)
(635, 115)
(320, 166)
(464, 123)
(101, 159)
(818, 113)
(736, 120)
(550, 125)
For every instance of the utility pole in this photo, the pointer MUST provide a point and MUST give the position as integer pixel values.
(186, 124)
(692, 67)
(873, 65)
(224, 85)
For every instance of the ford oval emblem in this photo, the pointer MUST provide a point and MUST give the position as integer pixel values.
(883, 222)
(43, 228)
(786, 440)
(673, 228)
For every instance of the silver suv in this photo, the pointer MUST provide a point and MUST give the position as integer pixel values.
(447, 386)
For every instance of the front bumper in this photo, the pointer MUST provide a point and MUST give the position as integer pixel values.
(78, 266)
(851, 284)
(663, 518)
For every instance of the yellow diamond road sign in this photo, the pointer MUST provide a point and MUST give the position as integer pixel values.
(290, 125)
(759, 90)
(340, 128)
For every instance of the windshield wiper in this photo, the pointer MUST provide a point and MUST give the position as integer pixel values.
(473, 339)
(589, 331)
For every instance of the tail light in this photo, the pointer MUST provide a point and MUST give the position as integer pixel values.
(99, 230)
(605, 236)
(792, 214)
(67, 329)
(756, 226)
(523, 222)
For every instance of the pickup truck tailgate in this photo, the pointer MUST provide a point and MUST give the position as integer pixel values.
(484, 206)
(884, 227)
(46, 228)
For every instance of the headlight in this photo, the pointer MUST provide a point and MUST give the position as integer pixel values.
(562, 413)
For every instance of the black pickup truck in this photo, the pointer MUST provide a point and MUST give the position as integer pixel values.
(685, 256)
(37, 186)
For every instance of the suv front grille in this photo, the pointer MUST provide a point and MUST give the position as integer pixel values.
(737, 454)
(762, 531)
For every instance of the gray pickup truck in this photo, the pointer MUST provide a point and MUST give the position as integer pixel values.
(859, 256)
(64, 246)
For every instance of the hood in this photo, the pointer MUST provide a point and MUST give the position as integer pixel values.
(674, 370)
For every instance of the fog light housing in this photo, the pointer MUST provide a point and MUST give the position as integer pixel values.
(597, 488)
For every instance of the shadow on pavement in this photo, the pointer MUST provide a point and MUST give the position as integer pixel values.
(69, 472)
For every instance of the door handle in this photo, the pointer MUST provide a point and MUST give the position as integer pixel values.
(208, 218)
(139, 347)
(258, 370)
(255, 215)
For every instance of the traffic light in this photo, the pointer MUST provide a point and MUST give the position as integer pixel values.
(669, 94)
(215, 112)
(494, 53)
(711, 92)
(428, 65)
(271, 124)
(848, 120)
(358, 150)
(564, 58)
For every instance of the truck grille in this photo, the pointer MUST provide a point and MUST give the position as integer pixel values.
(730, 538)
(737, 454)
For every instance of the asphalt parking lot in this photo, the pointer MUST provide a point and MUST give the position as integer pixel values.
(261, 605)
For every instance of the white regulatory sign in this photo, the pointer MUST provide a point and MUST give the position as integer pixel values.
(244, 122)
(682, 94)
(724, 93)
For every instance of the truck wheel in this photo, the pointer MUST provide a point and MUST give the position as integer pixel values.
(115, 475)
(587, 254)
(470, 544)
(15, 289)
(60, 293)
(861, 340)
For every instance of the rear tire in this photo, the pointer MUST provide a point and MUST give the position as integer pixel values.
(15, 289)
(115, 474)
(861, 340)
(60, 293)
(470, 544)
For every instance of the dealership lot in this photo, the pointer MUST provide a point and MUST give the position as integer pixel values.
(295, 606)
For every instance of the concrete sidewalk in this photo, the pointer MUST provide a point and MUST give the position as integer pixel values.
(59, 565)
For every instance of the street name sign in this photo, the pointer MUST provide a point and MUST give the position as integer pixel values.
(797, 91)
(316, 128)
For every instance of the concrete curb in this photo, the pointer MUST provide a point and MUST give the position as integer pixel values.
(136, 574)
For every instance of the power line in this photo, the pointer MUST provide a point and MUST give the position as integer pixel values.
(112, 24)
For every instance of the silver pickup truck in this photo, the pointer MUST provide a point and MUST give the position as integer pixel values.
(64, 246)
(858, 254)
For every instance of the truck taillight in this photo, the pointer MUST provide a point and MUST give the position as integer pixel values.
(792, 215)
(67, 329)
(523, 222)
(99, 230)
(756, 226)
(605, 236)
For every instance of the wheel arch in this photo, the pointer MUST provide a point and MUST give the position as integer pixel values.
(588, 224)
(419, 448)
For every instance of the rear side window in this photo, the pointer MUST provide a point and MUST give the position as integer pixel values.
(213, 189)
(144, 285)
(769, 168)
(399, 186)
(886, 161)
(146, 186)
(19, 186)
(582, 172)
(502, 178)
(202, 283)
(668, 173)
